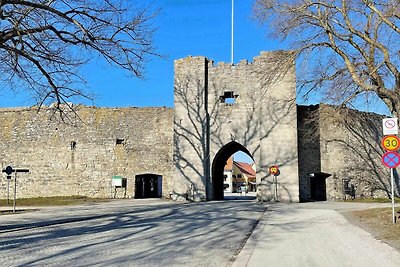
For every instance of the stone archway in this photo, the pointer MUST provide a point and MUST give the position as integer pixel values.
(217, 169)
(226, 105)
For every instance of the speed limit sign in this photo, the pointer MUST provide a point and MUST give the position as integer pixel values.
(391, 143)
(273, 170)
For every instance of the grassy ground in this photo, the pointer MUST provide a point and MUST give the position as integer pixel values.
(51, 201)
(379, 223)
(374, 200)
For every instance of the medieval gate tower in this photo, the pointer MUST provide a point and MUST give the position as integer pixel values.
(221, 109)
(180, 153)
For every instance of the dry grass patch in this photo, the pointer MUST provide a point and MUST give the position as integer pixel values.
(52, 201)
(379, 223)
(374, 200)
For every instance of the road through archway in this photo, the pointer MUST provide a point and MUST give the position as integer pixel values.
(218, 165)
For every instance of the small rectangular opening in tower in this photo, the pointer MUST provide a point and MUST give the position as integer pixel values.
(228, 98)
(119, 141)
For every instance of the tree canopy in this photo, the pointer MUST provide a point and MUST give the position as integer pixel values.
(44, 42)
(351, 47)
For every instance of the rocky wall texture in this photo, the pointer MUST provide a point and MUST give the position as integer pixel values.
(308, 147)
(345, 144)
(219, 109)
(80, 156)
(222, 108)
(351, 151)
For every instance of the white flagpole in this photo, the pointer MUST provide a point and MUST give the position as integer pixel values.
(232, 20)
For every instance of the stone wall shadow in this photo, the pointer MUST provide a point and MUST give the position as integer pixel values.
(209, 125)
(142, 235)
(358, 142)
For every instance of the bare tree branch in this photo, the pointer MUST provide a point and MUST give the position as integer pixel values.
(350, 47)
(44, 42)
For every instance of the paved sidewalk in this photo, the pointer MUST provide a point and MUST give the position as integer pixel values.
(314, 234)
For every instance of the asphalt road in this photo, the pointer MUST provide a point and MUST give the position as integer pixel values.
(164, 233)
(129, 233)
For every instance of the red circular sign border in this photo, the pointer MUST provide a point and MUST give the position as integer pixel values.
(383, 141)
(273, 166)
(391, 126)
(391, 152)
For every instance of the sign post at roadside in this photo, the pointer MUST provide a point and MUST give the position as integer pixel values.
(274, 170)
(391, 159)
(9, 170)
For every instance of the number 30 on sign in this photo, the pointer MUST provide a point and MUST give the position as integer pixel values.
(391, 143)
(273, 170)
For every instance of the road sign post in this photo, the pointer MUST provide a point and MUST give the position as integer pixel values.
(15, 192)
(392, 184)
(9, 170)
(274, 171)
(8, 191)
(391, 159)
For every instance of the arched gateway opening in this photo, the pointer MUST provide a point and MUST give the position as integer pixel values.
(219, 179)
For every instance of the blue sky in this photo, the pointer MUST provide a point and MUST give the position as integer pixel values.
(185, 27)
(192, 27)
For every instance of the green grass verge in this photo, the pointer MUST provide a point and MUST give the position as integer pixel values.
(374, 200)
(52, 201)
(379, 222)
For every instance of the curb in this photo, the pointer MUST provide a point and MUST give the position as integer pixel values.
(249, 245)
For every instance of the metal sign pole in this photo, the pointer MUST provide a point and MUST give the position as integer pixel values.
(392, 184)
(276, 188)
(8, 191)
(15, 191)
(9, 170)
(391, 143)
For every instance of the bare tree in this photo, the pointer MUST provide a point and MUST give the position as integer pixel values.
(44, 42)
(351, 46)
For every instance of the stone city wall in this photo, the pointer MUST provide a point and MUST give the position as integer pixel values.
(346, 144)
(189, 145)
(80, 156)
(308, 147)
(351, 150)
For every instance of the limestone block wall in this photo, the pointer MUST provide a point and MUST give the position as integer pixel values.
(260, 116)
(346, 144)
(351, 149)
(308, 147)
(262, 119)
(191, 129)
(80, 156)
(278, 135)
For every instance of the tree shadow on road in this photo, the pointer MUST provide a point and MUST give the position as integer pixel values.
(167, 234)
